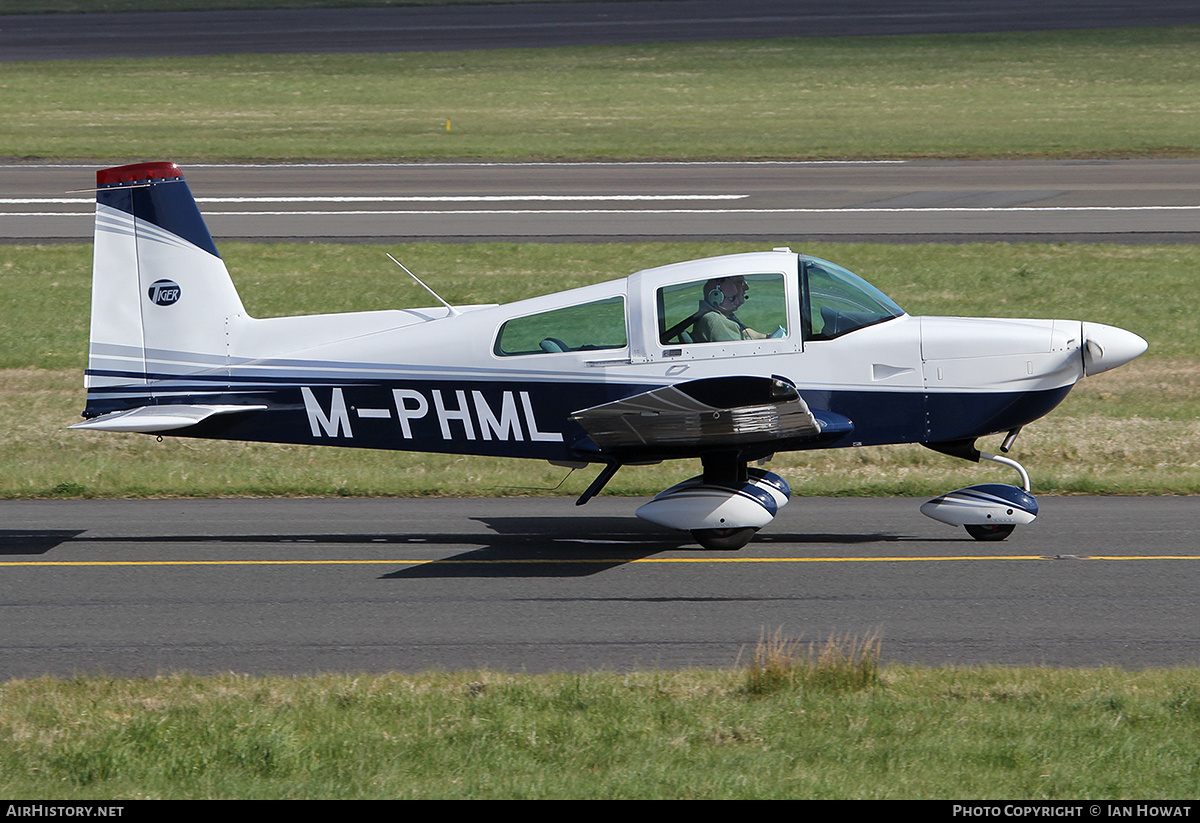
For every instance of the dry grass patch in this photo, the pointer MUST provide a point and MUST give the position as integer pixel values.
(842, 663)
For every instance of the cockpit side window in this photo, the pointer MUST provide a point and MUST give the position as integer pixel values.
(722, 309)
(837, 301)
(586, 327)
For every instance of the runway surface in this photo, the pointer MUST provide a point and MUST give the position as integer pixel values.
(533, 25)
(298, 586)
(1130, 201)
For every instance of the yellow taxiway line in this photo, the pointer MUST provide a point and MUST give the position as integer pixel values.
(586, 561)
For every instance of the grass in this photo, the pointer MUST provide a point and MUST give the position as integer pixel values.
(1132, 431)
(109, 6)
(1060, 94)
(837, 726)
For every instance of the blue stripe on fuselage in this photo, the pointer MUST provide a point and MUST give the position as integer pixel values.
(531, 419)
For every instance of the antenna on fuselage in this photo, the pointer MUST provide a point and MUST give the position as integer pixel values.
(453, 311)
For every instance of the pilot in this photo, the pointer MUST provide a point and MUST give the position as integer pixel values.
(717, 322)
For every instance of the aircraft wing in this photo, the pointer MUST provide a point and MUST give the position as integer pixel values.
(708, 413)
(159, 418)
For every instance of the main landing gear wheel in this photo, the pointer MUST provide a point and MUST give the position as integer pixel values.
(990, 532)
(723, 539)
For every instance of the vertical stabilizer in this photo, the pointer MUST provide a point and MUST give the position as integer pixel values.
(161, 295)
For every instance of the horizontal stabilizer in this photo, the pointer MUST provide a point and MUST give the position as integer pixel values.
(159, 418)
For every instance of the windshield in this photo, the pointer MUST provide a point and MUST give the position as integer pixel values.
(837, 301)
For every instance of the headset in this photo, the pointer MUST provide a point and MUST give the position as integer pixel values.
(716, 295)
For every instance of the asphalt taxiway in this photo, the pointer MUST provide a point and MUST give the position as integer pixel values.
(537, 25)
(302, 586)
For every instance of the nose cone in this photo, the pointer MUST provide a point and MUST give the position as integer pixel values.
(1106, 347)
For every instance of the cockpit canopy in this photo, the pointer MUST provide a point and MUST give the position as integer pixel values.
(779, 300)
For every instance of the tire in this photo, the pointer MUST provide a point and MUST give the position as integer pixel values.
(990, 532)
(723, 539)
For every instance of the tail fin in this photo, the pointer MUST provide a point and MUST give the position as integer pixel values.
(161, 295)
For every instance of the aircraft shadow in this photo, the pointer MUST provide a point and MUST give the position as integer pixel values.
(515, 546)
(34, 541)
(549, 547)
(580, 547)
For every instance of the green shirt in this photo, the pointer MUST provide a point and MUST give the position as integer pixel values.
(716, 327)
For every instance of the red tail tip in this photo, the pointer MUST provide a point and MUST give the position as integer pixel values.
(137, 172)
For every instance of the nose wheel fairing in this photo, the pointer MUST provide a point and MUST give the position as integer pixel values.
(989, 511)
(988, 505)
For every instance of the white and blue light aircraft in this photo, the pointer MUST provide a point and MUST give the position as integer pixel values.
(729, 360)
